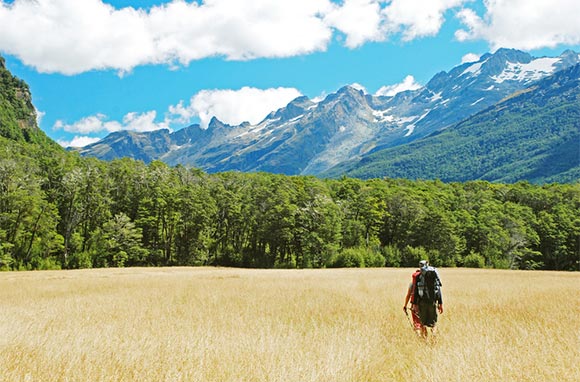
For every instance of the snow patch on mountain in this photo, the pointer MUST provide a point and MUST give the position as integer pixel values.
(436, 97)
(296, 118)
(411, 128)
(529, 72)
(257, 129)
(383, 116)
(474, 69)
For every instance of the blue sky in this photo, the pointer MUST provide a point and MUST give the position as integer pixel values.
(98, 66)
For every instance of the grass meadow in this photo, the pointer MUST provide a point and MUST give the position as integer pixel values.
(217, 324)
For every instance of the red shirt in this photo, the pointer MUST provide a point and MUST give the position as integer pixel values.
(413, 284)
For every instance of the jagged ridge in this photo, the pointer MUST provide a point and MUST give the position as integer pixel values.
(306, 137)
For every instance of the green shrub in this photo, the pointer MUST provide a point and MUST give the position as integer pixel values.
(392, 255)
(474, 260)
(348, 258)
(412, 256)
(373, 258)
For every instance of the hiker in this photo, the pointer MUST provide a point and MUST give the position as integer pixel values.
(414, 308)
(428, 297)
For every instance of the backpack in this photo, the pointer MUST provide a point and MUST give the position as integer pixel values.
(428, 284)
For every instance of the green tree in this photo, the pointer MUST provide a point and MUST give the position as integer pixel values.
(121, 243)
(317, 232)
(27, 221)
(197, 211)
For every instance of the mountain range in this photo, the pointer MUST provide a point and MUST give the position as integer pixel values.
(351, 130)
(532, 135)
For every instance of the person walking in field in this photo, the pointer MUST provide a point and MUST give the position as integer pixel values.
(428, 297)
(417, 326)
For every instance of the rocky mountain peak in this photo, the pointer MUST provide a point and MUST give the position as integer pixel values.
(215, 123)
(568, 58)
(351, 91)
(294, 109)
(497, 62)
(347, 95)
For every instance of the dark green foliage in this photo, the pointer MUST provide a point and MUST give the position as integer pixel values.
(474, 260)
(61, 211)
(17, 114)
(357, 257)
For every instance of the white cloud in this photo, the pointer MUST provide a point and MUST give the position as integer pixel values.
(359, 20)
(39, 116)
(233, 106)
(238, 29)
(416, 18)
(470, 57)
(72, 36)
(78, 142)
(358, 86)
(99, 123)
(89, 125)
(408, 83)
(523, 24)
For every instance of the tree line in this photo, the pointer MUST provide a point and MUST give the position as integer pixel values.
(61, 211)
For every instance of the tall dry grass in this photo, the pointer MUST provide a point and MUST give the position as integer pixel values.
(202, 324)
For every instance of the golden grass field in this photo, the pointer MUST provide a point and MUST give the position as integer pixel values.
(216, 324)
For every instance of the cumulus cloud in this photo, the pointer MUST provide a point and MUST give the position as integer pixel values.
(238, 30)
(408, 83)
(78, 141)
(72, 36)
(523, 24)
(416, 18)
(359, 20)
(470, 57)
(233, 106)
(99, 123)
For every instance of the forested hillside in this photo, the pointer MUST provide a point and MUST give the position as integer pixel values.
(58, 210)
(17, 114)
(62, 211)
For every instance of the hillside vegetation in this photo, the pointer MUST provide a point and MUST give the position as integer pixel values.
(17, 114)
(207, 324)
(66, 212)
(58, 210)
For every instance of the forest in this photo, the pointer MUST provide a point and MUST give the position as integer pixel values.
(61, 211)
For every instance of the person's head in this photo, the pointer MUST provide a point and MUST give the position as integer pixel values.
(423, 263)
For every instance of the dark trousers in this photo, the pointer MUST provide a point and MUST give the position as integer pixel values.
(428, 313)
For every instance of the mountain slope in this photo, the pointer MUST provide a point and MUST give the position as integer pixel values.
(533, 135)
(17, 114)
(308, 137)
